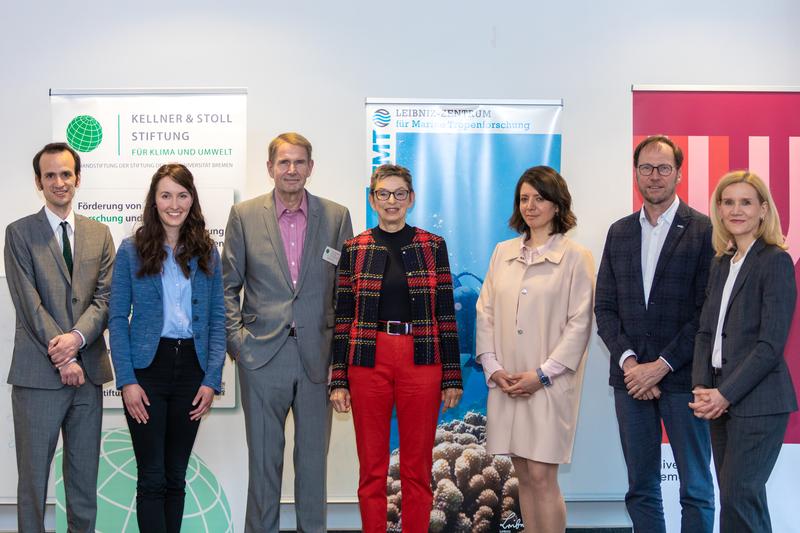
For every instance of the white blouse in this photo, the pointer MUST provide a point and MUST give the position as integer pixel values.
(716, 353)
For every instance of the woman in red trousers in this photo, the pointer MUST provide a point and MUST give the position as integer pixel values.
(395, 345)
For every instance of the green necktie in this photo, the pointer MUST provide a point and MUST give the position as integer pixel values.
(66, 248)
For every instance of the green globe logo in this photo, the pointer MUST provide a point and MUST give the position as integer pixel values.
(84, 133)
(206, 509)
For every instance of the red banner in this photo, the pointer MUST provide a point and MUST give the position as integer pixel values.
(722, 130)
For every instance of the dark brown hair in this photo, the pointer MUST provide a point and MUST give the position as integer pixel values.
(385, 171)
(663, 139)
(56, 148)
(552, 187)
(193, 240)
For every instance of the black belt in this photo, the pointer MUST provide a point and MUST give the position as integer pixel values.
(394, 327)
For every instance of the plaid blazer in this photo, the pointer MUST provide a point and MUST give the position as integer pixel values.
(430, 288)
(666, 327)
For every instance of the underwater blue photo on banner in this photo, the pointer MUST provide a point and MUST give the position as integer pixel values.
(465, 158)
(464, 178)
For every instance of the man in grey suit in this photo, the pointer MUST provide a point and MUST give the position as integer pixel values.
(58, 268)
(283, 248)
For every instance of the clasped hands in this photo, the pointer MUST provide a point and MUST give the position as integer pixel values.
(62, 350)
(518, 385)
(641, 379)
(708, 403)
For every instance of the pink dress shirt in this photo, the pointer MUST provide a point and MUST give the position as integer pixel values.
(293, 232)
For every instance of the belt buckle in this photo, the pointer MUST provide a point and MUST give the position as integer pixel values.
(405, 330)
(389, 324)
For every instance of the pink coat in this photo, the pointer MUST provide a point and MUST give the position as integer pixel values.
(527, 313)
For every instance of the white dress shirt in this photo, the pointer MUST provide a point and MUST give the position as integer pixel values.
(55, 223)
(653, 238)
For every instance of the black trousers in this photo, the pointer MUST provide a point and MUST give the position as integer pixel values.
(745, 451)
(163, 445)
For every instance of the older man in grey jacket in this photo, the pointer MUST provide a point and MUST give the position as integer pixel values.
(282, 248)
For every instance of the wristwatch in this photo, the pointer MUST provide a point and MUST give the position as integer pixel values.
(545, 380)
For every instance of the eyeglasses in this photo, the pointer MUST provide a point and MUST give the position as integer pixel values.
(647, 169)
(383, 195)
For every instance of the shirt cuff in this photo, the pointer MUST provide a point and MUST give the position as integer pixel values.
(667, 363)
(552, 368)
(72, 360)
(83, 339)
(625, 355)
(490, 364)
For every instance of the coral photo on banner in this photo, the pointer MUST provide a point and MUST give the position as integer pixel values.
(465, 157)
(721, 129)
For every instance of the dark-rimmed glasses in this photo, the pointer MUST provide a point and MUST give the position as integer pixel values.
(647, 169)
(383, 195)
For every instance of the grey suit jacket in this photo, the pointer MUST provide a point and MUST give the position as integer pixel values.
(755, 377)
(259, 317)
(49, 303)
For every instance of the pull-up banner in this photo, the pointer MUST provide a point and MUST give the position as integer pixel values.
(721, 129)
(465, 157)
(124, 135)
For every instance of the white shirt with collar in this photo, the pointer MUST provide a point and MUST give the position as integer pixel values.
(653, 238)
(55, 223)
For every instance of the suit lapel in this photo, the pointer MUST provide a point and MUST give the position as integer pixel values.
(714, 298)
(192, 269)
(676, 231)
(156, 279)
(750, 260)
(636, 256)
(311, 237)
(274, 234)
(80, 239)
(52, 243)
(192, 272)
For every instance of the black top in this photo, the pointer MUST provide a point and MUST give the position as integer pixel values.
(395, 300)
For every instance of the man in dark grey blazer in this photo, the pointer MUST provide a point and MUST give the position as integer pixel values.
(279, 269)
(58, 268)
(650, 291)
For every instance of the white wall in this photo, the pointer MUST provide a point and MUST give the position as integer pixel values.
(308, 67)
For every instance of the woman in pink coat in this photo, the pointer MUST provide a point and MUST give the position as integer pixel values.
(534, 322)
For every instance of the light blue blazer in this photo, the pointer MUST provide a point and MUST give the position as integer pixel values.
(136, 317)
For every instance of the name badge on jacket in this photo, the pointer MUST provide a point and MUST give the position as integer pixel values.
(331, 256)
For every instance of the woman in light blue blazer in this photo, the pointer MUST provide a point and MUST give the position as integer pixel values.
(167, 329)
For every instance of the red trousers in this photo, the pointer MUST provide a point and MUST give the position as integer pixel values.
(416, 392)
